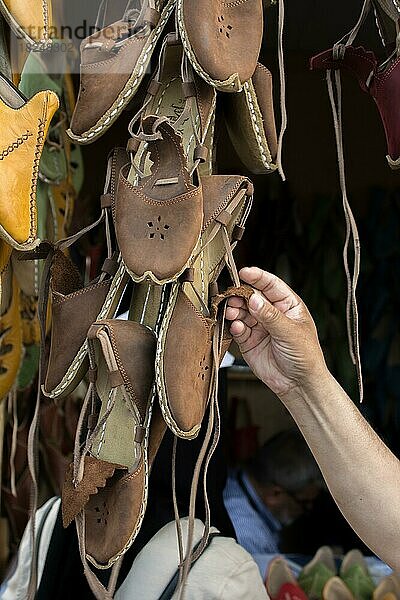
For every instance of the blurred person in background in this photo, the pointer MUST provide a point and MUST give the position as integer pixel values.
(278, 485)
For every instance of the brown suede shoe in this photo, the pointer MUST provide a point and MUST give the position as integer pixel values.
(158, 222)
(188, 316)
(113, 64)
(123, 353)
(75, 308)
(222, 39)
(250, 121)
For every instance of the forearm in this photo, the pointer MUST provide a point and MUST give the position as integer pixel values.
(362, 474)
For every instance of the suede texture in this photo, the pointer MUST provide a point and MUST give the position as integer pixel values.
(104, 74)
(225, 37)
(188, 393)
(253, 140)
(23, 134)
(74, 499)
(134, 347)
(158, 225)
(72, 314)
(112, 514)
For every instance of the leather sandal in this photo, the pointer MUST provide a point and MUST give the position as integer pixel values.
(158, 222)
(109, 477)
(189, 317)
(113, 64)
(75, 308)
(216, 37)
(250, 121)
(24, 129)
(31, 20)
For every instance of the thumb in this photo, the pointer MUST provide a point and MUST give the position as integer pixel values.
(267, 315)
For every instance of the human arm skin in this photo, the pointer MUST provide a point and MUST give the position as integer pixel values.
(278, 338)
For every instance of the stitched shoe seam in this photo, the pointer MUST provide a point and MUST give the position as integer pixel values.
(16, 144)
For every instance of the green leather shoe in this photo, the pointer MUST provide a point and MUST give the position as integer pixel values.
(316, 573)
(355, 575)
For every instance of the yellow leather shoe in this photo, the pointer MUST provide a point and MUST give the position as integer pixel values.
(30, 19)
(5, 254)
(10, 334)
(23, 129)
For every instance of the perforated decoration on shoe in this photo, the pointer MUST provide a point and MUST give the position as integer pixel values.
(102, 514)
(223, 27)
(203, 369)
(157, 229)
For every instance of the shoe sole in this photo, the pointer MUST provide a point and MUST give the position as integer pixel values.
(130, 88)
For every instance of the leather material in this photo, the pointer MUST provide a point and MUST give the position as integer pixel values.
(244, 291)
(167, 89)
(250, 122)
(5, 255)
(103, 76)
(110, 75)
(218, 192)
(158, 224)
(134, 347)
(10, 342)
(223, 39)
(383, 86)
(72, 311)
(75, 498)
(34, 17)
(23, 133)
(188, 393)
(184, 400)
(112, 515)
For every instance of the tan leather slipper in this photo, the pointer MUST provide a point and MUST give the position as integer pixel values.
(222, 39)
(113, 64)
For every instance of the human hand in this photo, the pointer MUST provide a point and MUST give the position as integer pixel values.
(276, 334)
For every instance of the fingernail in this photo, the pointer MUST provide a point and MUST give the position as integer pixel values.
(256, 302)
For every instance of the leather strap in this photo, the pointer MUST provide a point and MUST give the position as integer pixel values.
(213, 289)
(151, 17)
(110, 266)
(224, 218)
(188, 89)
(140, 433)
(187, 276)
(250, 189)
(133, 145)
(92, 421)
(200, 153)
(154, 87)
(238, 233)
(105, 201)
(115, 379)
